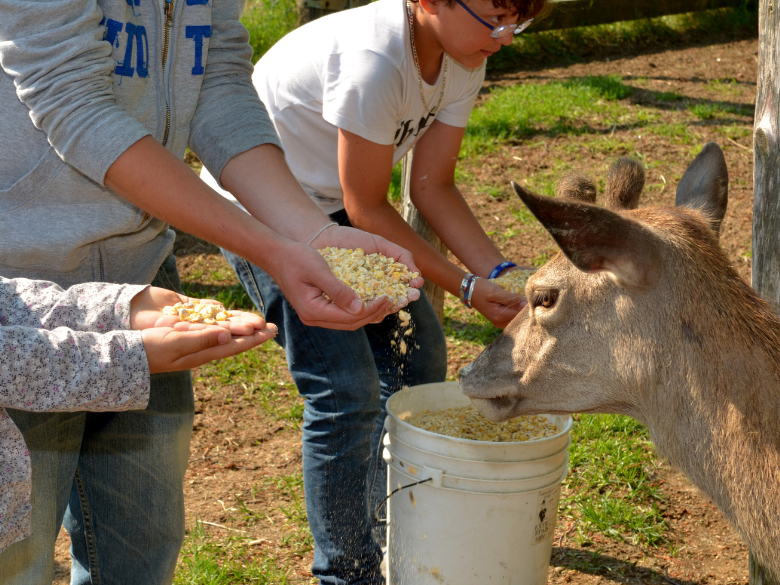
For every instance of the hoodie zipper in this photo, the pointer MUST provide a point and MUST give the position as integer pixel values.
(166, 43)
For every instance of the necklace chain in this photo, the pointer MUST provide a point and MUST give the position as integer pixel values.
(417, 64)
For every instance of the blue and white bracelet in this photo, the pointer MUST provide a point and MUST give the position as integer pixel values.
(467, 288)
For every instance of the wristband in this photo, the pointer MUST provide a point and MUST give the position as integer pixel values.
(322, 229)
(500, 268)
(464, 286)
(473, 284)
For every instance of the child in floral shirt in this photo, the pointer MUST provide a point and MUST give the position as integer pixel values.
(91, 347)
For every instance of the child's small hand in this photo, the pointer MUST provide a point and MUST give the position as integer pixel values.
(146, 311)
(169, 349)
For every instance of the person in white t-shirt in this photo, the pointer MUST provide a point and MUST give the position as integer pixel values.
(350, 94)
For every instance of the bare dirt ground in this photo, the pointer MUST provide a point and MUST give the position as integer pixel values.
(237, 447)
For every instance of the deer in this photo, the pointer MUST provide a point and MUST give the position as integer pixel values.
(642, 314)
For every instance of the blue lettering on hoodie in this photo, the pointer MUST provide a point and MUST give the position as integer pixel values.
(113, 28)
(136, 35)
(132, 4)
(198, 33)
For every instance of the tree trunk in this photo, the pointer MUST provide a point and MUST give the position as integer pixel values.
(434, 292)
(766, 180)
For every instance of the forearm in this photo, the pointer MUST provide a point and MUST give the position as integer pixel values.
(172, 192)
(261, 180)
(444, 208)
(385, 221)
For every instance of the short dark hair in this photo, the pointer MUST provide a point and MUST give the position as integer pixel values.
(525, 9)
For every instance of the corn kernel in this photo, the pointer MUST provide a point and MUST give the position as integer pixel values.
(369, 275)
(514, 281)
(467, 423)
(208, 313)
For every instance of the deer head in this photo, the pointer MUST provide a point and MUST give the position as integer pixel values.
(606, 318)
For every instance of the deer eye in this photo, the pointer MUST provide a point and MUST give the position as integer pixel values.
(544, 298)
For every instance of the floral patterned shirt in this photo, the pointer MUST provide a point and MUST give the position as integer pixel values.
(61, 351)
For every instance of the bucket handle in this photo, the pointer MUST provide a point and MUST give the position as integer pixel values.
(398, 489)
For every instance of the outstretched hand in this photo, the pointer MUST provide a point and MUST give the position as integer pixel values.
(304, 281)
(188, 345)
(172, 344)
(146, 312)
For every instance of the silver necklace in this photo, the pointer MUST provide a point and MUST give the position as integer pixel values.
(417, 64)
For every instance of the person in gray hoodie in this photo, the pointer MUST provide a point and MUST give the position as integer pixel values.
(98, 100)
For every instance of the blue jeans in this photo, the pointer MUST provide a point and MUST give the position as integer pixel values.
(346, 377)
(114, 479)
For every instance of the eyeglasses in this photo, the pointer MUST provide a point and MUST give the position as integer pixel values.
(500, 31)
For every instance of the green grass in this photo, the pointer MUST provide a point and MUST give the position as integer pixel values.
(611, 487)
(713, 110)
(462, 324)
(522, 111)
(578, 44)
(257, 373)
(207, 559)
(268, 21)
(395, 193)
(233, 296)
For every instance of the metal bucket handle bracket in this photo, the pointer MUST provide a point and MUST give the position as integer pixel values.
(434, 476)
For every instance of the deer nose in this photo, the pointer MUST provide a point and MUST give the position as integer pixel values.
(465, 370)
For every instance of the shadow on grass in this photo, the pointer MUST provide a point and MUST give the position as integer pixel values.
(545, 49)
(613, 569)
(504, 120)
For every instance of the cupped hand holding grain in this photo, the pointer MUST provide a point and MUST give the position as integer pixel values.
(147, 311)
(303, 275)
(170, 350)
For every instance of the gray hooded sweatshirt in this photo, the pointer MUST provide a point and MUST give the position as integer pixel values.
(81, 81)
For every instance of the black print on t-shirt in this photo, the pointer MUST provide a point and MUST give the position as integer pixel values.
(406, 130)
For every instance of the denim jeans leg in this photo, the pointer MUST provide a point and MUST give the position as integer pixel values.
(53, 440)
(126, 511)
(336, 374)
(424, 362)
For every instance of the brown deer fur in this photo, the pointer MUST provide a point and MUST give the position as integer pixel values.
(642, 314)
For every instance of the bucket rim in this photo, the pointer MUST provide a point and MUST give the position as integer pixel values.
(566, 427)
(524, 461)
(561, 476)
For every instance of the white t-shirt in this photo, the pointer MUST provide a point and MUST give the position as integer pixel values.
(353, 70)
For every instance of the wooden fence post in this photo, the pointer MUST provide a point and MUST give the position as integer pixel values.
(434, 292)
(766, 184)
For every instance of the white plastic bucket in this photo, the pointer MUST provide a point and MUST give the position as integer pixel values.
(481, 517)
(413, 459)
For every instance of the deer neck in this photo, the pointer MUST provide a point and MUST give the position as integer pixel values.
(717, 418)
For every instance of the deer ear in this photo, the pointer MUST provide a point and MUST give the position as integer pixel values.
(625, 181)
(599, 240)
(705, 185)
(576, 186)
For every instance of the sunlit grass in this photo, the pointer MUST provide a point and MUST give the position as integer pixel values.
(611, 487)
(522, 111)
(268, 21)
(208, 559)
